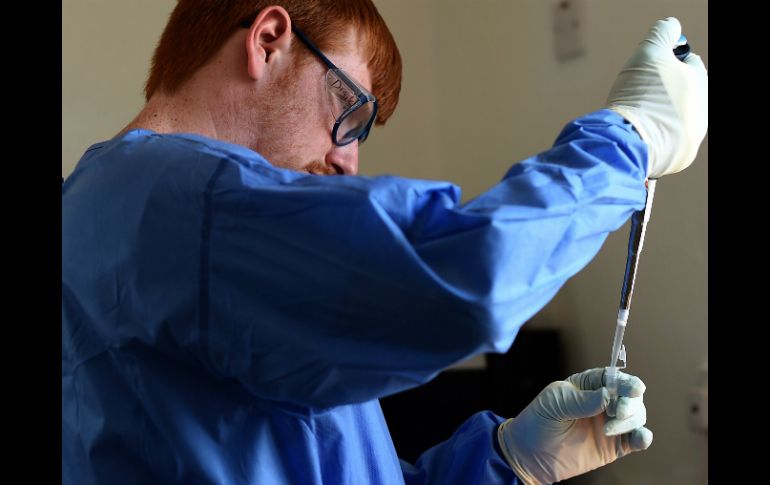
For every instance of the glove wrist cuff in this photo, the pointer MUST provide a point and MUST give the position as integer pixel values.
(525, 477)
(629, 114)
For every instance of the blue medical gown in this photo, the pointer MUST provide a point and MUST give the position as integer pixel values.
(227, 321)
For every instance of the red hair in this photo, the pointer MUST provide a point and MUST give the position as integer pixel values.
(197, 29)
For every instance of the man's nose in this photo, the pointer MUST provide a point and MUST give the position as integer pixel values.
(344, 159)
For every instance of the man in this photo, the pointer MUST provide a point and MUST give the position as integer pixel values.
(228, 316)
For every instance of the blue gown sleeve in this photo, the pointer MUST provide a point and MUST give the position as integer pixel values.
(470, 455)
(321, 291)
(335, 290)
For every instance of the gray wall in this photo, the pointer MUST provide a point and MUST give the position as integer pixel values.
(466, 62)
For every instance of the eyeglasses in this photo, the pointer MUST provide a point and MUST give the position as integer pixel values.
(353, 107)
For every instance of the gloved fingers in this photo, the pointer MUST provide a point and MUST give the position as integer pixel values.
(588, 380)
(628, 407)
(631, 414)
(695, 61)
(592, 379)
(665, 33)
(630, 386)
(637, 440)
(568, 403)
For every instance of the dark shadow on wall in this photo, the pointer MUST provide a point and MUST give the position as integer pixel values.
(425, 416)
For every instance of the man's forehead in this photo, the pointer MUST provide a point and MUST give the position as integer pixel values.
(351, 57)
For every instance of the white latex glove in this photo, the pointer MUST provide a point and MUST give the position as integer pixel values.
(665, 99)
(564, 431)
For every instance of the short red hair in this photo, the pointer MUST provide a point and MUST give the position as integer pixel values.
(197, 29)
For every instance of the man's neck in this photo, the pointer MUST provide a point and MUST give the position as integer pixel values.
(174, 114)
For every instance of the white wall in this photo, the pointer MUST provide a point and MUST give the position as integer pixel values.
(495, 61)
(106, 51)
(482, 89)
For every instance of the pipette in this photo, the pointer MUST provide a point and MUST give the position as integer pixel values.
(635, 241)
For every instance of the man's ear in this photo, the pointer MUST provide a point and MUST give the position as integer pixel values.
(269, 39)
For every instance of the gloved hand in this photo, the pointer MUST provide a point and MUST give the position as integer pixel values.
(665, 99)
(565, 432)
